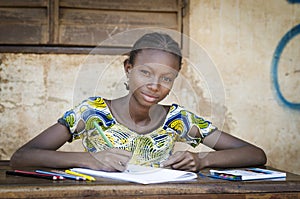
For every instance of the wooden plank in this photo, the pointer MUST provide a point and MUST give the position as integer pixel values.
(185, 28)
(137, 5)
(22, 26)
(95, 35)
(23, 34)
(18, 187)
(82, 22)
(41, 189)
(23, 3)
(44, 194)
(53, 21)
(89, 27)
(23, 15)
(105, 50)
(86, 17)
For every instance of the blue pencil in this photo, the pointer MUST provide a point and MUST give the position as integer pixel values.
(33, 174)
(201, 175)
(61, 174)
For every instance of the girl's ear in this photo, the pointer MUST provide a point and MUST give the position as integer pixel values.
(127, 66)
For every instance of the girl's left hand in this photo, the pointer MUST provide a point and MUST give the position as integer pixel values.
(184, 160)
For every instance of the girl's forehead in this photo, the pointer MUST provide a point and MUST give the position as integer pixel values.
(153, 57)
(158, 68)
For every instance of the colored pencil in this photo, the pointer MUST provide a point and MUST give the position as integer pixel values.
(102, 134)
(90, 178)
(33, 174)
(61, 173)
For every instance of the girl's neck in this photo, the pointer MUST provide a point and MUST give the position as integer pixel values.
(138, 113)
(137, 117)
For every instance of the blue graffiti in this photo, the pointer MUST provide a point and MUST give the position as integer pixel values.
(274, 70)
(294, 1)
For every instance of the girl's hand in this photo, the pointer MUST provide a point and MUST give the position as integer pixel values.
(185, 160)
(113, 159)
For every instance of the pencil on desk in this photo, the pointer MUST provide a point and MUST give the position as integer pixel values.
(90, 178)
(201, 175)
(102, 134)
(72, 177)
(57, 177)
(33, 174)
(76, 177)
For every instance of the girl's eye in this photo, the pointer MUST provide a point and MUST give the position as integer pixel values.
(146, 73)
(167, 79)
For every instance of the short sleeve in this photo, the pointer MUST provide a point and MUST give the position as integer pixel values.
(182, 121)
(80, 119)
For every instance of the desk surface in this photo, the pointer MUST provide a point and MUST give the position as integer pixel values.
(203, 187)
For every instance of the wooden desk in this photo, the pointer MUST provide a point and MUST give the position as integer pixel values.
(204, 187)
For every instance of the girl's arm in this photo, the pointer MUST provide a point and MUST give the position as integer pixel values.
(230, 152)
(41, 152)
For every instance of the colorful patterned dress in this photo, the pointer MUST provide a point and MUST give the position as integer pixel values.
(148, 149)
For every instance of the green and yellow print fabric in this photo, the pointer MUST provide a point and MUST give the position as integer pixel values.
(148, 149)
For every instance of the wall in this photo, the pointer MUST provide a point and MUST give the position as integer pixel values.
(240, 37)
(235, 39)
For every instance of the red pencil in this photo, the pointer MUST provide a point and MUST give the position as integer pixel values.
(33, 174)
(43, 174)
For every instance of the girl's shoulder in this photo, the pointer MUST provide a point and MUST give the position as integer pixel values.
(91, 107)
(181, 118)
(176, 109)
(176, 114)
(94, 102)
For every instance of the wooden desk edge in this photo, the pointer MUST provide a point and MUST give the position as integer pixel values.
(131, 191)
(210, 189)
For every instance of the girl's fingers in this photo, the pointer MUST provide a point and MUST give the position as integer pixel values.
(183, 160)
(173, 159)
(113, 159)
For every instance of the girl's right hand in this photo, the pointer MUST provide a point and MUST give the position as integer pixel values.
(113, 159)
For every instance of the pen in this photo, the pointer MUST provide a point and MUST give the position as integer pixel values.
(61, 174)
(33, 174)
(201, 175)
(90, 178)
(102, 134)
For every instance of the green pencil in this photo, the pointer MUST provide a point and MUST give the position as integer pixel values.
(102, 134)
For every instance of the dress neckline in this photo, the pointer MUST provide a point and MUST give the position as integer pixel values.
(154, 130)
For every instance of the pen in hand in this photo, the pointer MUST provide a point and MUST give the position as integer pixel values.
(102, 134)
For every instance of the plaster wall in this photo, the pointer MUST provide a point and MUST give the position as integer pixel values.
(241, 37)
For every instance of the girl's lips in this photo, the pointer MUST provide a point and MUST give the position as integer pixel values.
(149, 98)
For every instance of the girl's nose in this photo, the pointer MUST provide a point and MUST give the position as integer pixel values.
(153, 84)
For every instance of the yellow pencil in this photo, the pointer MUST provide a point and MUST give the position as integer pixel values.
(90, 178)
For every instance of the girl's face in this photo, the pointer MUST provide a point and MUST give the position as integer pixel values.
(152, 75)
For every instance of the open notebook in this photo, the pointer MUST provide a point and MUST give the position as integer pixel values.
(142, 174)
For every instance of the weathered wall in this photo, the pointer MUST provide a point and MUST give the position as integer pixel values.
(240, 38)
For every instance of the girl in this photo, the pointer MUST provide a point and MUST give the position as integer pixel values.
(141, 130)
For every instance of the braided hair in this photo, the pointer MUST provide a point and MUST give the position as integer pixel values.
(155, 40)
